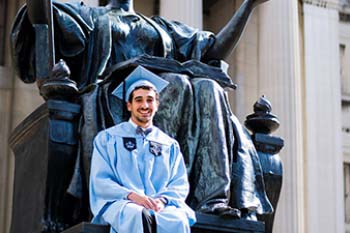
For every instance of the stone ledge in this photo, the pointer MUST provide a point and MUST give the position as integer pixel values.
(205, 224)
(86, 227)
(215, 224)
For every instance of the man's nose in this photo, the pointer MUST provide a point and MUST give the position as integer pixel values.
(145, 104)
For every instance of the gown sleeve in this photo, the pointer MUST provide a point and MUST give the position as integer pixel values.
(104, 187)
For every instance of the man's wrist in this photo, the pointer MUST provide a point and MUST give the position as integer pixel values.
(129, 195)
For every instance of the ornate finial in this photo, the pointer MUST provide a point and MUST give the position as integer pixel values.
(60, 70)
(59, 86)
(262, 121)
(262, 105)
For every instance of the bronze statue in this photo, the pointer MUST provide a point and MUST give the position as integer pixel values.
(104, 43)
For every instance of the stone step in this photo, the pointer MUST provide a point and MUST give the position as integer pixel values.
(205, 224)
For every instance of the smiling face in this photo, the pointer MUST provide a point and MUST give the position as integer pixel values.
(143, 105)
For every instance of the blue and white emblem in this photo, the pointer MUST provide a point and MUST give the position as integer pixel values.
(129, 143)
(155, 148)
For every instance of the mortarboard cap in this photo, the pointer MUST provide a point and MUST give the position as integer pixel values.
(139, 77)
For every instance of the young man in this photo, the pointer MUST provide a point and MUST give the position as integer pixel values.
(138, 179)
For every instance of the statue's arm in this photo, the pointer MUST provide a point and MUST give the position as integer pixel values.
(73, 24)
(228, 37)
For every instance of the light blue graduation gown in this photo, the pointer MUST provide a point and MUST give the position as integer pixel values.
(116, 171)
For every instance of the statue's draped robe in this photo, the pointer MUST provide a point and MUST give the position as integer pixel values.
(219, 154)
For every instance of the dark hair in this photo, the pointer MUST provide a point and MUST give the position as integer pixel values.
(148, 88)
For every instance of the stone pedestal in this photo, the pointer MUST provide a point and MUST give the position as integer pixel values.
(44, 158)
(30, 171)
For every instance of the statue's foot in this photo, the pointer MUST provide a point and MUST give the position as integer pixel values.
(221, 210)
(227, 212)
(248, 215)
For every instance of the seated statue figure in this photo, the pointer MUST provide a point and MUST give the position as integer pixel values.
(97, 43)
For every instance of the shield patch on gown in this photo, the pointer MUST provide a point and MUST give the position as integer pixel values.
(129, 143)
(155, 148)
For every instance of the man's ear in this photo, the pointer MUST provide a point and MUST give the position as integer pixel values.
(128, 106)
(157, 104)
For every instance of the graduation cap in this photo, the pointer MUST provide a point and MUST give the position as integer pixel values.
(137, 78)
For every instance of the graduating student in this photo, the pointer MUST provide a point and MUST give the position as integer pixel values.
(138, 180)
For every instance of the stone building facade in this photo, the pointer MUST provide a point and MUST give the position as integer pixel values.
(297, 53)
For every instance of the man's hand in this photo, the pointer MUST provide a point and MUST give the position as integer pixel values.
(160, 204)
(147, 202)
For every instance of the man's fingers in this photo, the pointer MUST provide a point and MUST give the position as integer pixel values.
(146, 204)
(149, 203)
(154, 204)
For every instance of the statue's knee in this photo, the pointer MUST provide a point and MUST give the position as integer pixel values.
(205, 85)
(178, 82)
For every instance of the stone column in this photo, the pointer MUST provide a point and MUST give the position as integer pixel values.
(323, 164)
(17, 100)
(185, 11)
(279, 78)
(6, 161)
